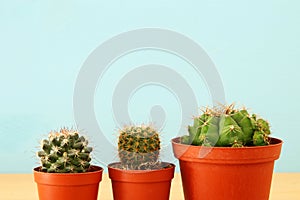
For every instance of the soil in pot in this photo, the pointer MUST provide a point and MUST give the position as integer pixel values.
(141, 184)
(68, 186)
(217, 173)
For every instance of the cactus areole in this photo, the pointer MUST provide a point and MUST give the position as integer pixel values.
(225, 126)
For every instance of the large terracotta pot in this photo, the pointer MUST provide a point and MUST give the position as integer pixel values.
(68, 186)
(221, 173)
(141, 184)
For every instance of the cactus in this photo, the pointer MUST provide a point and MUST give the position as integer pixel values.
(226, 126)
(139, 147)
(65, 152)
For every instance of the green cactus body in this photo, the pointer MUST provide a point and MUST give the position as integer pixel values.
(209, 131)
(138, 147)
(261, 133)
(65, 152)
(185, 139)
(194, 134)
(263, 126)
(259, 138)
(204, 127)
(246, 122)
(230, 132)
(225, 126)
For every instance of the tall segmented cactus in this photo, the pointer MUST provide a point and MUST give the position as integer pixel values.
(139, 147)
(65, 152)
(226, 126)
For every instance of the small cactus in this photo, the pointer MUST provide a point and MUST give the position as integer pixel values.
(65, 152)
(139, 147)
(226, 126)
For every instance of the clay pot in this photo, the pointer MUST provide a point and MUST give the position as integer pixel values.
(141, 184)
(68, 186)
(217, 173)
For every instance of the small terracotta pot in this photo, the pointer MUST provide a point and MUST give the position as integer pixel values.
(141, 184)
(216, 173)
(68, 186)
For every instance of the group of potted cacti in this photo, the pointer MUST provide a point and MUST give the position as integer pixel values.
(227, 154)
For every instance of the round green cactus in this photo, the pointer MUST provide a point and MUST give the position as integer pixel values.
(65, 152)
(139, 147)
(226, 126)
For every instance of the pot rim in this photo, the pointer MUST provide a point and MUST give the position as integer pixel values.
(96, 169)
(156, 175)
(140, 171)
(274, 142)
(227, 155)
(68, 179)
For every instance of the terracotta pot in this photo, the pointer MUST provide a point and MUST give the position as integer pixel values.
(217, 173)
(68, 186)
(141, 184)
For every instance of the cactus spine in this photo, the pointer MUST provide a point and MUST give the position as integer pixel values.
(226, 126)
(139, 147)
(65, 152)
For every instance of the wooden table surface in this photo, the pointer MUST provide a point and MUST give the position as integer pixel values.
(285, 186)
